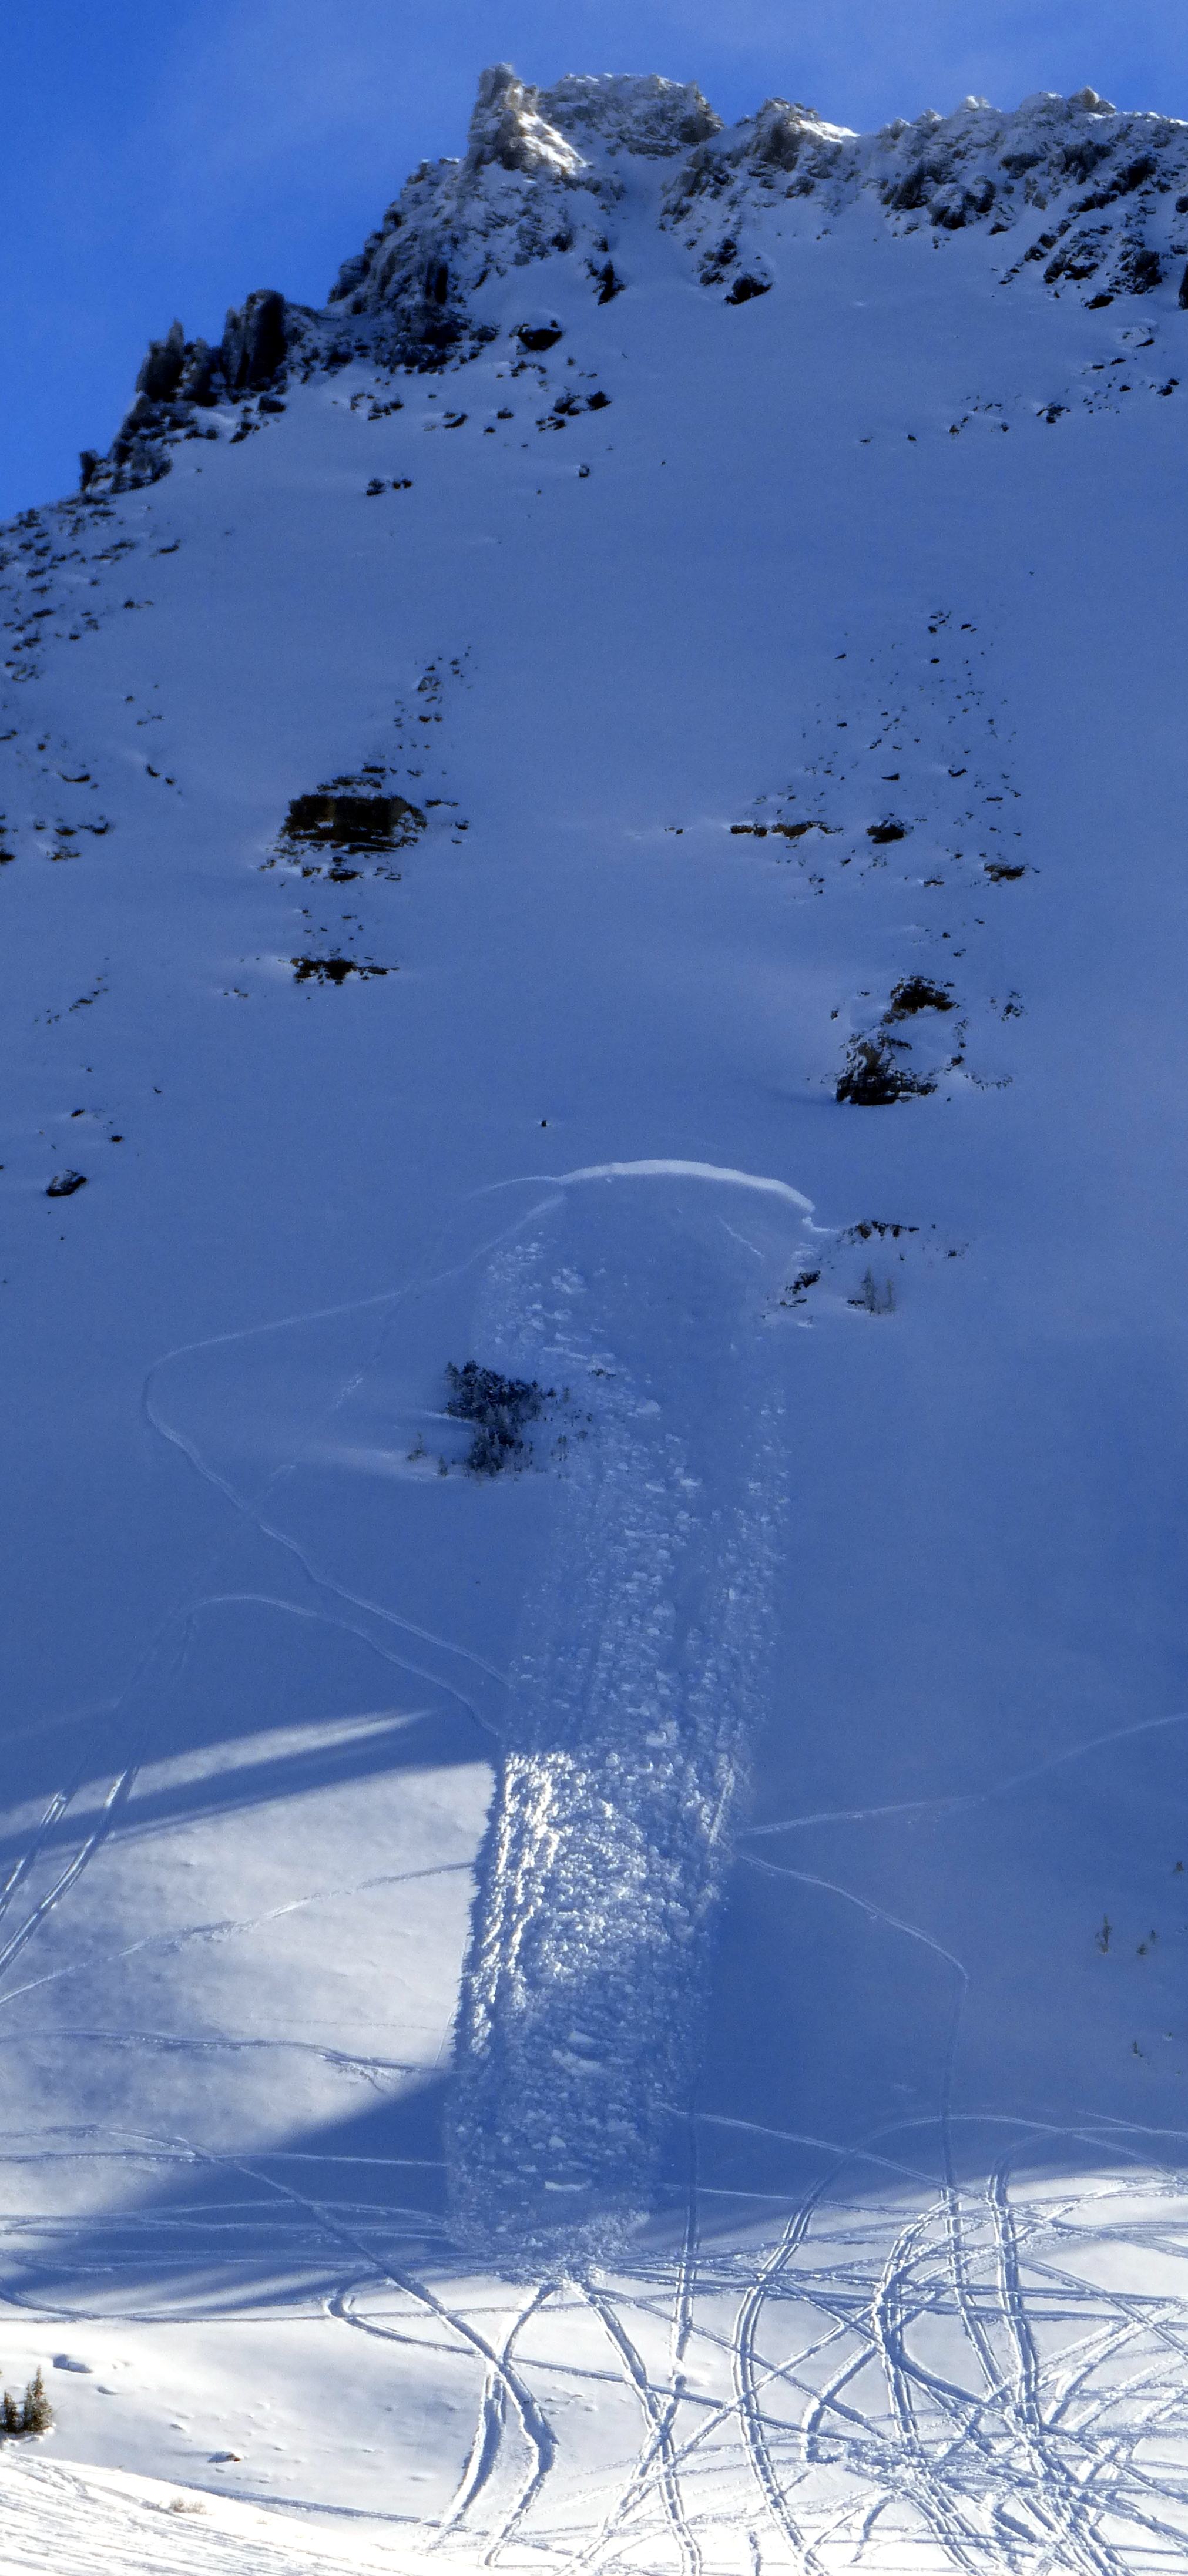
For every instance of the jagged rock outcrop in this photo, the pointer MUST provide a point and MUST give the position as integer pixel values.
(539, 176)
(161, 369)
(1088, 191)
(179, 377)
(255, 341)
(508, 129)
(1066, 158)
(613, 113)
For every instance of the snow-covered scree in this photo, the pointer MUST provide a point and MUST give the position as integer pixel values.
(598, 825)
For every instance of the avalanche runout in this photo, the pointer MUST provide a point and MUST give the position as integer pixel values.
(639, 1685)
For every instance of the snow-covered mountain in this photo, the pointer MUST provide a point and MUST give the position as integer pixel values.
(1080, 189)
(593, 1936)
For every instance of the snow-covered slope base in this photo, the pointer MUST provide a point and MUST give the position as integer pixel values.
(593, 1945)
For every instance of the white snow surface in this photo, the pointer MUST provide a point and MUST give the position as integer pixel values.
(626, 2013)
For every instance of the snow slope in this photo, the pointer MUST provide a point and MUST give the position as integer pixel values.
(627, 2012)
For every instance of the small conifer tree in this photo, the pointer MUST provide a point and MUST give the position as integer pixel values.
(32, 2414)
(36, 2414)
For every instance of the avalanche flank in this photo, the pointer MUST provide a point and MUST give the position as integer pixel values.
(594, 1905)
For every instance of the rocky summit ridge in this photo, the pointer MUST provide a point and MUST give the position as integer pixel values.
(1096, 196)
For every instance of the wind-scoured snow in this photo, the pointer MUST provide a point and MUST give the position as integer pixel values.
(609, 806)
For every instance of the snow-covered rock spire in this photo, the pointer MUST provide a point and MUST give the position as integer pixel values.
(507, 128)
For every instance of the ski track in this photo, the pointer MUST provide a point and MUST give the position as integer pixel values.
(534, 2425)
(995, 2479)
(1015, 2480)
(1001, 2482)
(657, 2455)
(172, 1635)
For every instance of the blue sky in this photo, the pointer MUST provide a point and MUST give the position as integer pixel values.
(163, 161)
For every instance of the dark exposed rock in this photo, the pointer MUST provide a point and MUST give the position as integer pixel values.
(134, 460)
(873, 1080)
(881, 1226)
(1183, 295)
(538, 332)
(917, 993)
(607, 280)
(1133, 174)
(142, 414)
(161, 369)
(717, 261)
(175, 375)
(915, 187)
(254, 340)
(64, 1185)
(955, 207)
(696, 124)
(201, 379)
(1080, 157)
(746, 286)
(328, 820)
(1078, 258)
(332, 970)
(887, 830)
(1137, 269)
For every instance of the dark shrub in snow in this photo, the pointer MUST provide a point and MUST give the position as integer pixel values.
(498, 1407)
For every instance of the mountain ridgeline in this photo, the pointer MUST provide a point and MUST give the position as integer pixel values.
(1095, 196)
